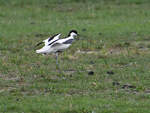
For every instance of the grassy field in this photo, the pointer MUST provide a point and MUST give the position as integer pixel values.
(106, 71)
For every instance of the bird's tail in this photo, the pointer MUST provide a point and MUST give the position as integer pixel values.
(42, 50)
(39, 51)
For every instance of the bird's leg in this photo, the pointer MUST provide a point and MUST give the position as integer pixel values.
(56, 59)
(57, 64)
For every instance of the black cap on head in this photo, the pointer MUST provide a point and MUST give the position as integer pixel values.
(74, 31)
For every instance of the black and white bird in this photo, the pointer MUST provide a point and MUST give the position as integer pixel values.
(55, 45)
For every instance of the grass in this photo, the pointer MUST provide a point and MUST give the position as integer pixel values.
(114, 44)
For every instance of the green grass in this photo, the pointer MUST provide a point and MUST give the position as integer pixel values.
(114, 43)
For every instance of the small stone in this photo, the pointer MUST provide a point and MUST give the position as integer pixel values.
(141, 47)
(17, 99)
(83, 29)
(147, 91)
(91, 62)
(124, 86)
(116, 83)
(32, 23)
(90, 73)
(94, 83)
(126, 44)
(46, 6)
(110, 72)
(134, 33)
(130, 86)
(99, 33)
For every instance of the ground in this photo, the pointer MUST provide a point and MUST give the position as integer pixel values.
(105, 71)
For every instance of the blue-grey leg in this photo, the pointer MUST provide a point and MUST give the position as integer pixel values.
(57, 59)
(57, 64)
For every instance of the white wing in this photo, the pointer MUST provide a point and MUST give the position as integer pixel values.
(51, 39)
(45, 49)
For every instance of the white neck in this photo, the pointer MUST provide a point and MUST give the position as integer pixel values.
(71, 37)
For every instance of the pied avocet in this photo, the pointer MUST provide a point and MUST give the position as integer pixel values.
(56, 45)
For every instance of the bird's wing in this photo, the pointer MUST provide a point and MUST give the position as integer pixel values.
(56, 45)
(61, 43)
(51, 39)
(56, 42)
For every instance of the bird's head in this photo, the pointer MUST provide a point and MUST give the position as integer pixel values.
(73, 33)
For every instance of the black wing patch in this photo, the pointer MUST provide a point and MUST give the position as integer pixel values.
(52, 38)
(53, 42)
(68, 41)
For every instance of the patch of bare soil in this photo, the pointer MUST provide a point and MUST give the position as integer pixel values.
(87, 52)
(142, 45)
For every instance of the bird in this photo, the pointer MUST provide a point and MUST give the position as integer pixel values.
(55, 45)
